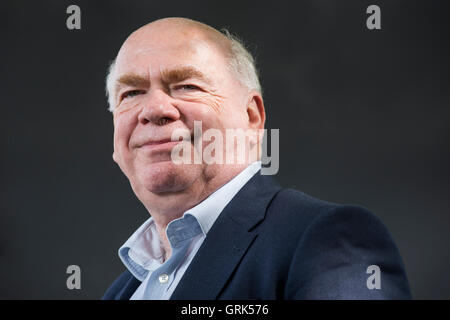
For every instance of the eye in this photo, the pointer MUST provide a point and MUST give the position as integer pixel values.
(187, 87)
(131, 93)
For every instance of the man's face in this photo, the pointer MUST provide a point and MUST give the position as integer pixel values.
(166, 80)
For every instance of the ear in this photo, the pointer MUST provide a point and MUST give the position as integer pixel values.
(256, 119)
(255, 111)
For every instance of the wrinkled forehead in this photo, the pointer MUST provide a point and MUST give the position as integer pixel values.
(154, 53)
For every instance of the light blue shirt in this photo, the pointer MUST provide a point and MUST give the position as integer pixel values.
(143, 253)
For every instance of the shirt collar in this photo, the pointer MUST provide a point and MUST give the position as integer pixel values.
(207, 211)
(142, 251)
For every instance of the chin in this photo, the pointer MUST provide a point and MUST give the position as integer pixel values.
(164, 177)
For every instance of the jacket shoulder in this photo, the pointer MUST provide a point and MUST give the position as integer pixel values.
(293, 206)
(336, 245)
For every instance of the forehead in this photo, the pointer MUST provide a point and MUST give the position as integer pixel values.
(154, 53)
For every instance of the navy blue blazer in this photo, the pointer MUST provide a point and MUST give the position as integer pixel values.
(274, 243)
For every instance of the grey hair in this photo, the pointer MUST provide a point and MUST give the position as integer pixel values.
(110, 79)
(240, 62)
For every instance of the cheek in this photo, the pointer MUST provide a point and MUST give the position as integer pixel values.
(209, 118)
(124, 124)
(210, 110)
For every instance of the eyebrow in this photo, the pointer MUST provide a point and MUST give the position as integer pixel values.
(132, 80)
(181, 74)
(168, 76)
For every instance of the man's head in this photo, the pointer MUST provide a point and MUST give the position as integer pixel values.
(167, 75)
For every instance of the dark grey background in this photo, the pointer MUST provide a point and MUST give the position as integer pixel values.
(363, 118)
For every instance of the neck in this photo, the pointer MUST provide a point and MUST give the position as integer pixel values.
(169, 206)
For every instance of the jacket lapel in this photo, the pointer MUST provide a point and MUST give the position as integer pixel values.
(227, 241)
(128, 285)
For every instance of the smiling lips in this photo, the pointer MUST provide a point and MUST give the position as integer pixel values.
(155, 142)
(159, 144)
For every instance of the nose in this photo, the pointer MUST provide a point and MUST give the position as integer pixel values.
(158, 108)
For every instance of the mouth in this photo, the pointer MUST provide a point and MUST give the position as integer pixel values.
(159, 145)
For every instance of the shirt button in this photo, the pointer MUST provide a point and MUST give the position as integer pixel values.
(163, 278)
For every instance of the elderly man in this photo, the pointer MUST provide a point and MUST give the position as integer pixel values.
(221, 230)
